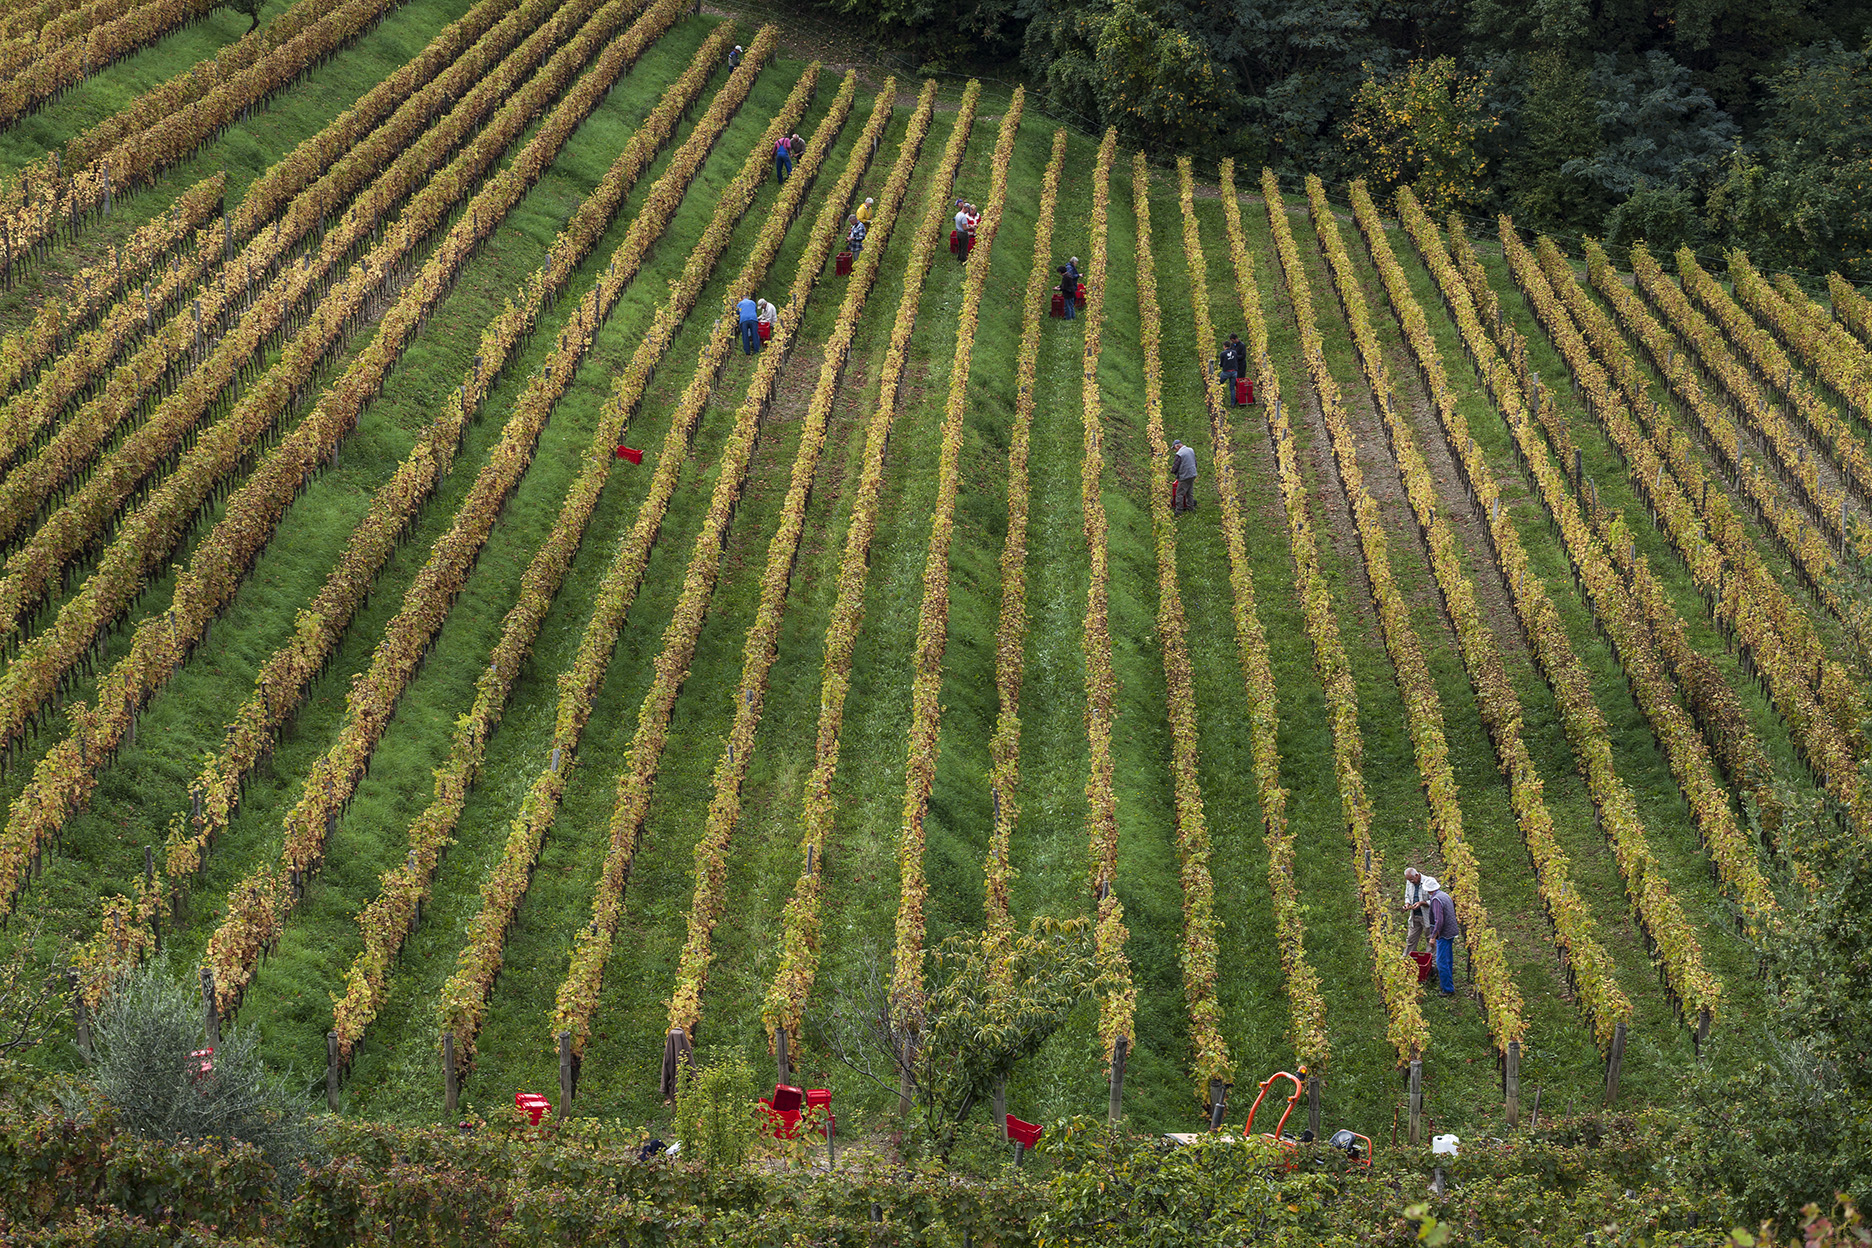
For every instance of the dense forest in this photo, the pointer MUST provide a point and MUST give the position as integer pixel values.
(1702, 122)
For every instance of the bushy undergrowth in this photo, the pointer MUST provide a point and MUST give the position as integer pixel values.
(90, 1178)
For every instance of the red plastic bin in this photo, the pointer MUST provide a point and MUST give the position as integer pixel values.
(532, 1104)
(783, 1110)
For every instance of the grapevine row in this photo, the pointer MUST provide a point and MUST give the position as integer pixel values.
(54, 70)
(1836, 341)
(1306, 1006)
(1827, 348)
(1768, 360)
(577, 998)
(1694, 992)
(763, 637)
(1732, 852)
(785, 1001)
(19, 51)
(215, 571)
(158, 364)
(284, 679)
(90, 291)
(448, 66)
(83, 521)
(1851, 308)
(166, 124)
(386, 921)
(1693, 526)
(412, 150)
(1423, 705)
(463, 1004)
(932, 634)
(1011, 629)
(147, 536)
(1830, 684)
(1756, 609)
(1117, 1009)
(1583, 958)
(257, 918)
(1785, 450)
(1615, 391)
(1198, 959)
(25, 18)
(1806, 548)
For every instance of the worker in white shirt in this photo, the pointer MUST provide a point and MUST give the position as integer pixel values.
(1417, 890)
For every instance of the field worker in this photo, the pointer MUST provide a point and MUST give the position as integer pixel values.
(782, 160)
(1234, 363)
(749, 312)
(1417, 890)
(1069, 285)
(962, 232)
(734, 57)
(864, 212)
(1183, 468)
(855, 236)
(1443, 932)
(797, 146)
(764, 320)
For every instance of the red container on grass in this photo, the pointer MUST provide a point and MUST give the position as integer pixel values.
(532, 1104)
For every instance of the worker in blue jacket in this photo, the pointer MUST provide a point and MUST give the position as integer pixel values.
(1443, 933)
(749, 313)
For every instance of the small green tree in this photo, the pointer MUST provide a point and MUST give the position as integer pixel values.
(147, 1029)
(250, 8)
(994, 1003)
(1795, 1130)
(718, 1117)
(1419, 128)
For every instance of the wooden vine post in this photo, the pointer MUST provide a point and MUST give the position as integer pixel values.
(566, 1078)
(1119, 1048)
(1416, 1102)
(451, 1079)
(211, 1014)
(331, 1071)
(1511, 1082)
(1614, 1061)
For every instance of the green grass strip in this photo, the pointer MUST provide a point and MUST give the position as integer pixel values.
(1011, 631)
(932, 634)
(1117, 1008)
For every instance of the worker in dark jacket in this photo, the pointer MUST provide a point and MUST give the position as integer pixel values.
(1069, 286)
(1183, 468)
(1443, 933)
(1234, 363)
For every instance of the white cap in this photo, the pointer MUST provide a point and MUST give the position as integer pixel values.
(1444, 1145)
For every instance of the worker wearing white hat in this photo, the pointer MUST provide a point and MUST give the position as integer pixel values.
(1417, 890)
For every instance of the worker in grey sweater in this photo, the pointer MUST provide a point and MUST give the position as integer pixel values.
(1183, 468)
